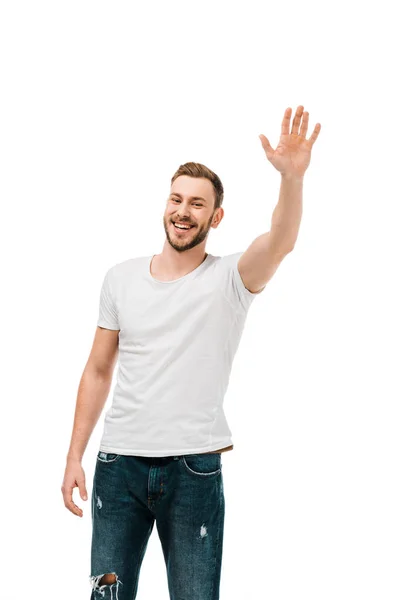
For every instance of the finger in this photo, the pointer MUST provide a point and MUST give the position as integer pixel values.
(69, 503)
(315, 133)
(266, 145)
(83, 492)
(82, 488)
(304, 125)
(286, 122)
(296, 120)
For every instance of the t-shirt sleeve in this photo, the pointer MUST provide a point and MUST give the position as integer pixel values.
(108, 315)
(235, 290)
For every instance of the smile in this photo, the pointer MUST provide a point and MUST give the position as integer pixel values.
(185, 227)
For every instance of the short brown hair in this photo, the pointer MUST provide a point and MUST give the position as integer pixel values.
(193, 169)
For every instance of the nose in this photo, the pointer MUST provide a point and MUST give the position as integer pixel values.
(184, 215)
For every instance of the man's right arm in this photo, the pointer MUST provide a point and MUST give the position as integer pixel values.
(93, 389)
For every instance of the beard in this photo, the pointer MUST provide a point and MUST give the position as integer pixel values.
(195, 236)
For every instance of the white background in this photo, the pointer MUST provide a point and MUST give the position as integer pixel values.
(100, 104)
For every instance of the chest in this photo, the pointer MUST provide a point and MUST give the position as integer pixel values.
(167, 311)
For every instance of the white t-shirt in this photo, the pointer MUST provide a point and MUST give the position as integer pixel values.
(177, 342)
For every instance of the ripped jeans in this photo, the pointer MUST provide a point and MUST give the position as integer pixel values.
(184, 495)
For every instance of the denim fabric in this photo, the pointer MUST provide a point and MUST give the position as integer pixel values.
(184, 496)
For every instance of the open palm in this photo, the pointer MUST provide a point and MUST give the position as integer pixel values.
(293, 153)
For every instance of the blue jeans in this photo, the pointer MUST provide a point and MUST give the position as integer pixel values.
(184, 495)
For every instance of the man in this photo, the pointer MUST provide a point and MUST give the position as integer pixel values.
(174, 320)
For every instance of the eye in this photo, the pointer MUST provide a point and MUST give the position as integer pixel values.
(178, 200)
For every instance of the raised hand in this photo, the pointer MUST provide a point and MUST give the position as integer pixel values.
(293, 153)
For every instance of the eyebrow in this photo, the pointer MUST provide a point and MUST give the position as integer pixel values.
(192, 197)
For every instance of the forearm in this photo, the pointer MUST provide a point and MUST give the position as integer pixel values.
(286, 218)
(92, 395)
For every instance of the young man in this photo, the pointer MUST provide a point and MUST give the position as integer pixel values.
(175, 321)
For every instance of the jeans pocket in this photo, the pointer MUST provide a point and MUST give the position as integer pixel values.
(107, 457)
(202, 465)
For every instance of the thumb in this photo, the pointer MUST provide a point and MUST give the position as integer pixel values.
(266, 145)
(82, 489)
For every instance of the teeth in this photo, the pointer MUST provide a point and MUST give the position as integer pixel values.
(182, 226)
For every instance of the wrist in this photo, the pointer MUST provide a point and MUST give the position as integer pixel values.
(292, 177)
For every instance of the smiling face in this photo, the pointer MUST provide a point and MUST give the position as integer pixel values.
(191, 202)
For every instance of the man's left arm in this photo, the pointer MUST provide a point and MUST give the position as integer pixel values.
(264, 255)
(291, 158)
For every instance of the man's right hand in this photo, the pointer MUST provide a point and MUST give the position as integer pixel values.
(74, 476)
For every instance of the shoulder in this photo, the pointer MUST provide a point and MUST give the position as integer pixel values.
(120, 273)
(228, 262)
(124, 267)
